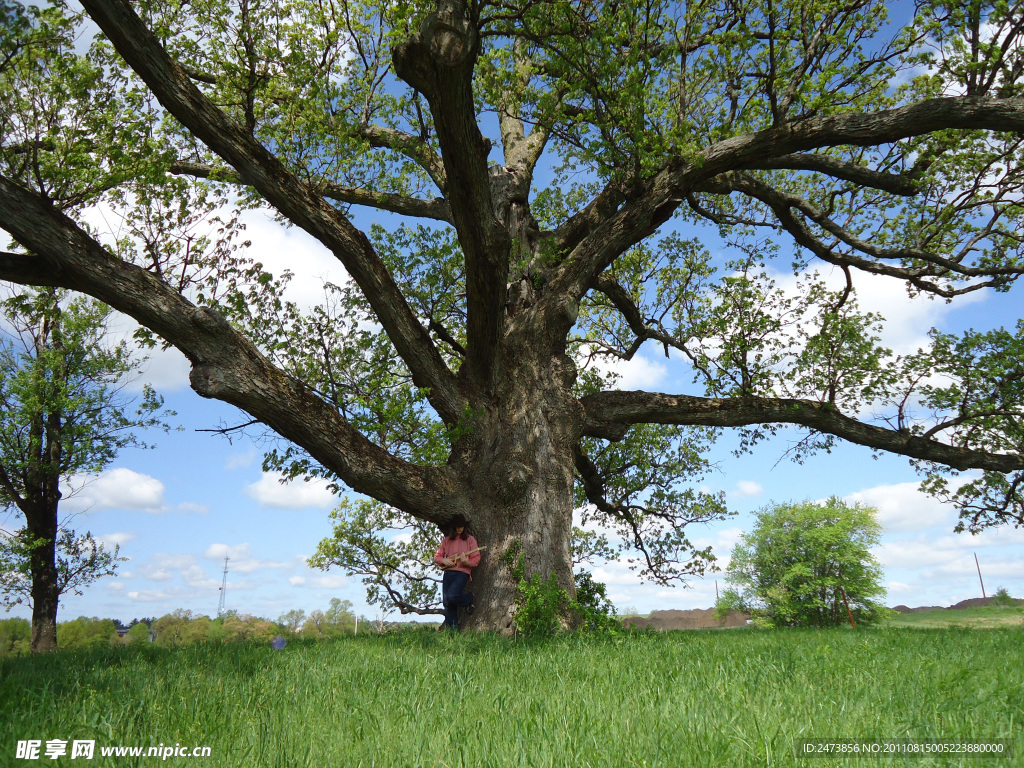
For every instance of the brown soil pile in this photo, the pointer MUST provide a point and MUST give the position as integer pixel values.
(693, 619)
(974, 602)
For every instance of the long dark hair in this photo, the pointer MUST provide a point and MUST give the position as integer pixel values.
(454, 524)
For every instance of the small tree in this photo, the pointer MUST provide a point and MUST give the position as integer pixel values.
(63, 412)
(290, 621)
(803, 562)
(1002, 599)
(138, 633)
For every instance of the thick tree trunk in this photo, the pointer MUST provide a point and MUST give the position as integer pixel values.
(519, 473)
(42, 524)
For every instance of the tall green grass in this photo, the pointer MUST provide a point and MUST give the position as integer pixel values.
(716, 699)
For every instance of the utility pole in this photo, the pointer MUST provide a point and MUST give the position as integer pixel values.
(223, 589)
(979, 575)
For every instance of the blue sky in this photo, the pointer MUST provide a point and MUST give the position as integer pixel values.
(178, 510)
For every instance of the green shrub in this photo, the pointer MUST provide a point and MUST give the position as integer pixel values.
(805, 565)
(1002, 599)
(14, 636)
(543, 608)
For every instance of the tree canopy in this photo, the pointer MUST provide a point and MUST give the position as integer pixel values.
(517, 190)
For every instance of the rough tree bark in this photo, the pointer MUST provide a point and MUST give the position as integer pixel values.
(42, 524)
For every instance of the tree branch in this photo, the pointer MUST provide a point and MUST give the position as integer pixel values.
(631, 313)
(609, 415)
(438, 62)
(384, 201)
(782, 206)
(652, 203)
(413, 147)
(225, 365)
(896, 184)
(282, 189)
(593, 487)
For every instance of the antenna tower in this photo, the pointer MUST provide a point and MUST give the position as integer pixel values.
(223, 589)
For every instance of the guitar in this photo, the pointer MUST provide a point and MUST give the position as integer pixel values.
(461, 555)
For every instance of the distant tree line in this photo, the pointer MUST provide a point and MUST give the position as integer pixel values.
(184, 627)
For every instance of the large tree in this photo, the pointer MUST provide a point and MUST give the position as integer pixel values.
(552, 182)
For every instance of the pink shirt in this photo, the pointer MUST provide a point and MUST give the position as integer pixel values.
(456, 546)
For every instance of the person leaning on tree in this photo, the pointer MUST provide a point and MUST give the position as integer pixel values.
(458, 555)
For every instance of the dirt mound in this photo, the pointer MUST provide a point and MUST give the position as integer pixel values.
(979, 602)
(696, 618)
(974, 602)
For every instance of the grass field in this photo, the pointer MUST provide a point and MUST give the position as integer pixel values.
(978, 618)
(420, 698)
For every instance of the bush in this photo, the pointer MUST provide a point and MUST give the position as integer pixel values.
(543, 609)
(86, 633)
(796, 565)
(1002, 599)
(596, 612)
(15, 635)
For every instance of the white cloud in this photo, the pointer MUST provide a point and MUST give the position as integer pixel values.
(639, 372)
(722, 543)
(111, 540)
(330, 581)
(895, 588)
(189, 507)
(269, 491)
(746, 488)
(119, 488)
(902, 508)
(917, 552)
(616, 573)
(948, 560)
(176, 594)
(164, 566)
(241, 460)
(195, 576)
(907, 319)
(281, 248)
(165, 370)
(240, 558)
(297, 581)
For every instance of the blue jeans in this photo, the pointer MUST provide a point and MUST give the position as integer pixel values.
(452, 596)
